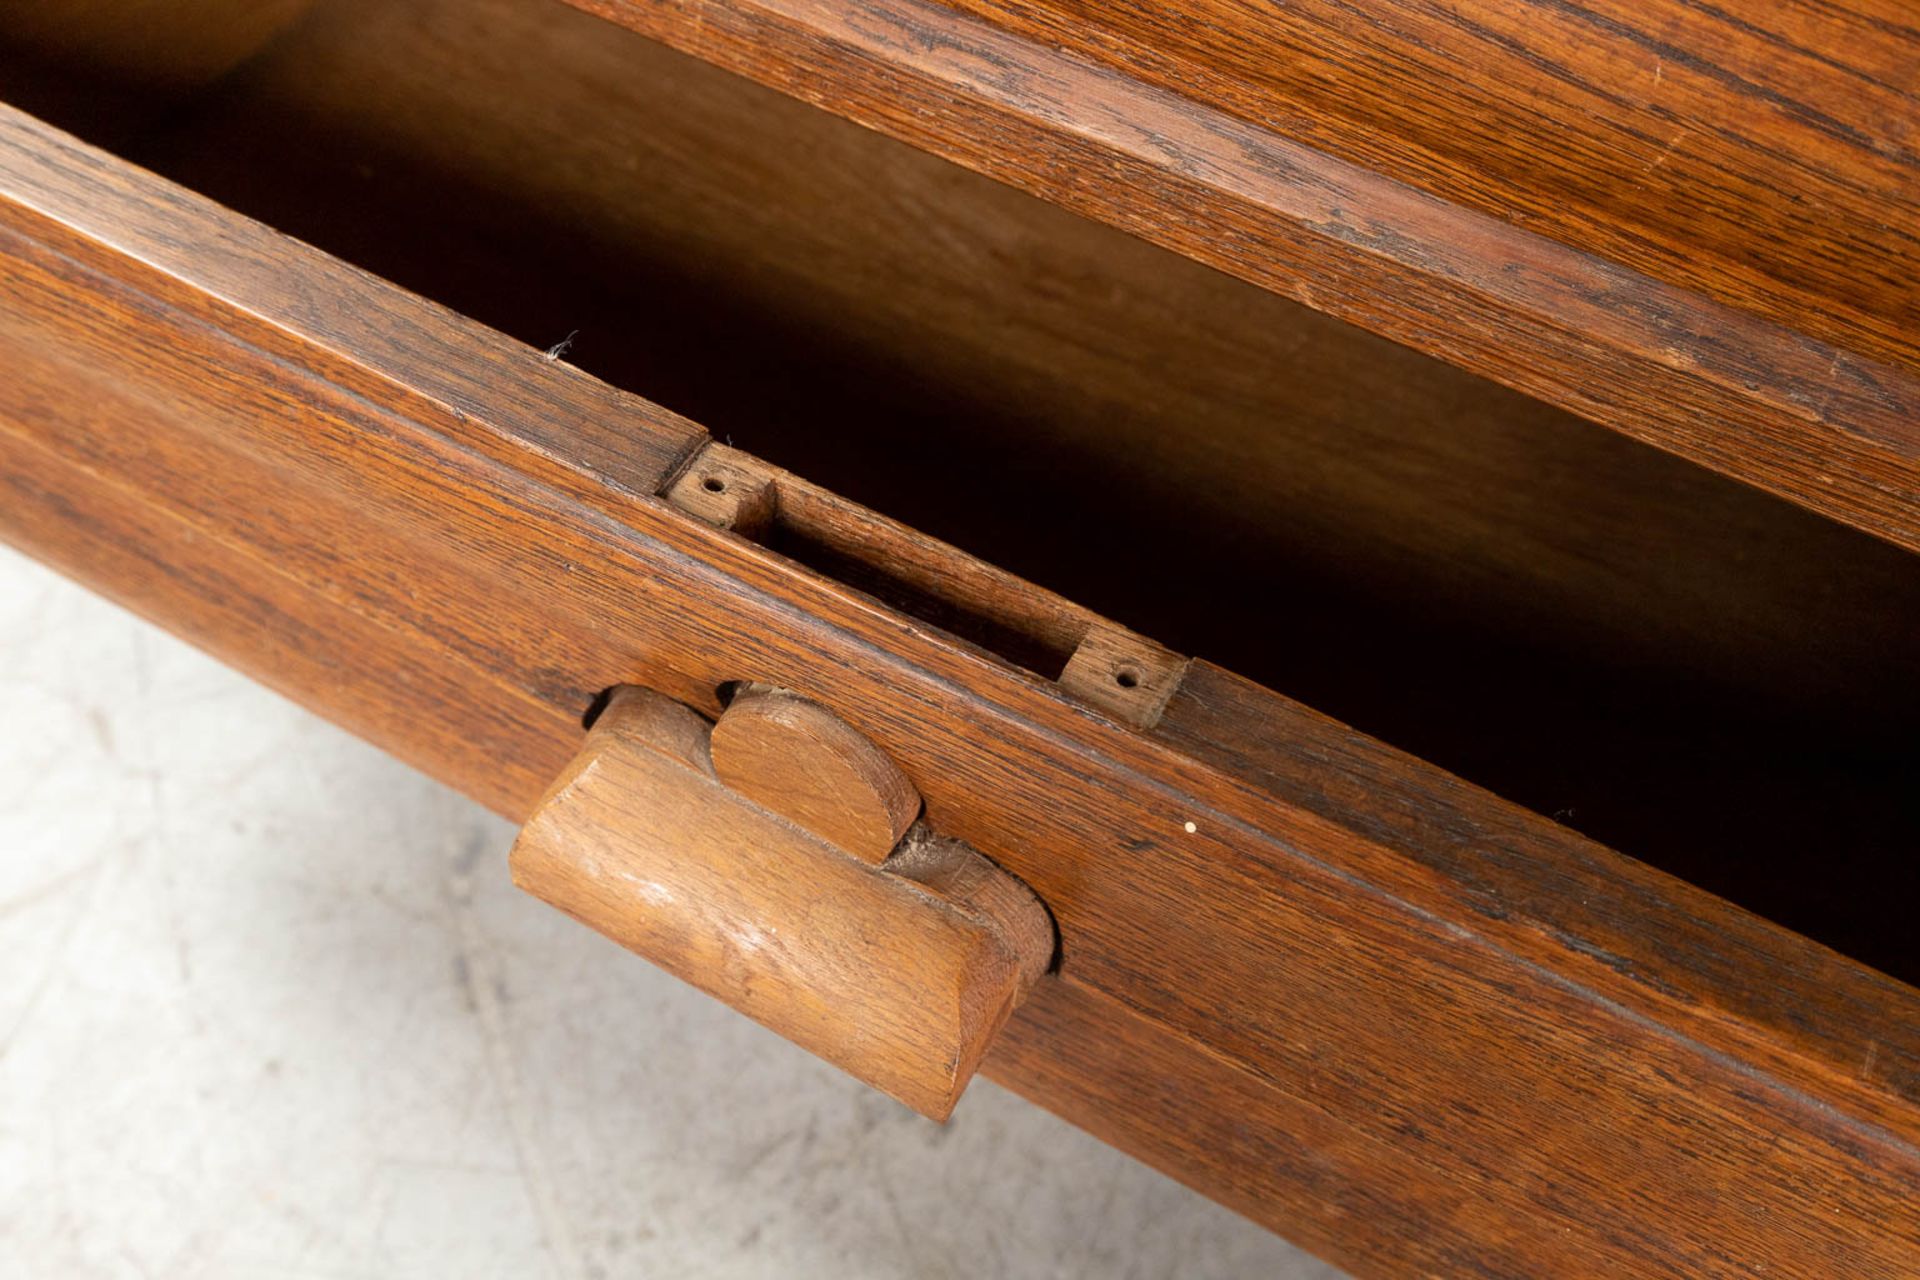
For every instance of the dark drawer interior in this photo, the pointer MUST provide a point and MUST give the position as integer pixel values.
(1691, 671)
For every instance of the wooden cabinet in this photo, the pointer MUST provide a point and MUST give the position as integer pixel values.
(1531, 389)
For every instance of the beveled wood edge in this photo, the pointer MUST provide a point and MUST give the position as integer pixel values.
(1833, 430)
(1573, 906)
(399, 349)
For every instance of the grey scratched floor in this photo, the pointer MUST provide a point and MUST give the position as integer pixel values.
(269, 1008)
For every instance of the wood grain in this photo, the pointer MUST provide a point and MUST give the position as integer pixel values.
(1436, 1032)
(727, 490)
(1686, 669)
(894, 982)
(799, 760)
(1126, 675)
(554, 417)
(1691, 224)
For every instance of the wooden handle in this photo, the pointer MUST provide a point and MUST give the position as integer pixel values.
(898, 965)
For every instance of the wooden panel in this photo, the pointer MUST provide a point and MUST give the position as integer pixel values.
(1686, 669)
(555, 418)
(1008, 362)
(113, 67)
(1399, 1038)
(1762, 153)
(1697, 336)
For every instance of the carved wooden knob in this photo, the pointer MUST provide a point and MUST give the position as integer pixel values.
(769, 860)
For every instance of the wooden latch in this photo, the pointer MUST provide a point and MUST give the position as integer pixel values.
(773, 860)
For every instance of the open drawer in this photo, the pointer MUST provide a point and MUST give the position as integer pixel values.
(1403, 1002)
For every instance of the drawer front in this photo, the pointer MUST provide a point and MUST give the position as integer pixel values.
(1408, 1024)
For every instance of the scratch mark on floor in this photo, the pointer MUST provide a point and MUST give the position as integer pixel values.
(81, 910)
(50, 889)
(477, 964)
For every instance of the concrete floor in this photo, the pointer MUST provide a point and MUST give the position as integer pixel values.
(269, 1008)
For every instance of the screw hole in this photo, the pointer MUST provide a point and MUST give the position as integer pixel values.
(1127, 677)
(714, 484)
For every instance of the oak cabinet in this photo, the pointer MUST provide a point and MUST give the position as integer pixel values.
(1436, 622)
